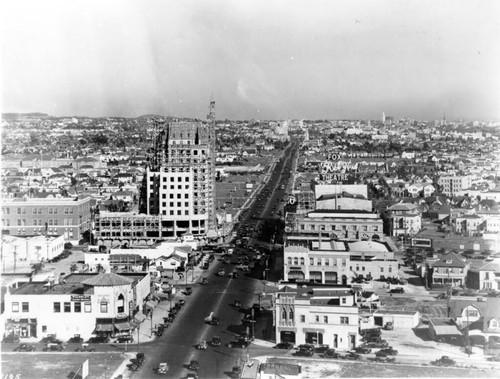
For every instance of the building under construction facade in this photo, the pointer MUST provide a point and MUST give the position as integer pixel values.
(179, 184)
(178, 188)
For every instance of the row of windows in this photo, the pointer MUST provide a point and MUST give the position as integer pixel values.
(363, 228)
(171, 204)
(448, 270)
(319, 261)
(77, 307)
(171, 196)
(288, 316)
(25, 307)
(50, 211)
(179, 179)
(179, 213)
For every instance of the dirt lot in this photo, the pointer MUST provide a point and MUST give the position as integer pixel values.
(316, 369)
(61, 365)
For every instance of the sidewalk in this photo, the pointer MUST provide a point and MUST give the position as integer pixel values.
(146, 328)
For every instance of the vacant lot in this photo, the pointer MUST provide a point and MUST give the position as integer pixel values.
(62, 365)
(320, 369)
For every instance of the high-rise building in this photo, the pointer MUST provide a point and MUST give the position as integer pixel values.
(180, 182)
(383, 117)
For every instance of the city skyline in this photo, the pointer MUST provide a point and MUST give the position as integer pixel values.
(260, 60)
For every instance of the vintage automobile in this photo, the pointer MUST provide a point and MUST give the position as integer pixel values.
(284, 345)
(204, 281)
(444, 361)
(52, 346)
(202, 345)
(85, 347)
(25, 347)
(212, 320)
(240, 342)
(331, 353)
(162, 368)
(188, 291)
(216, 341)
(194, 365)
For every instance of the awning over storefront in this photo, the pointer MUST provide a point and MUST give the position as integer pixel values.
(313, 330)
(293, 274)
(122, 326)
(139, 317)
(104, 328)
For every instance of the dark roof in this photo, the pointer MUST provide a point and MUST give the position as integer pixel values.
(451, 256)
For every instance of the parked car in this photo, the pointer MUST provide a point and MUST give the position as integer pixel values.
(76, 339)
(125, 339)
(212, 320)
(202, 345)
(237, 304)
(99, 339)
(444, 361)
(221, 272)
(53, 347)
(397, 290)
(11, 338)
(388, 350)
(25, 347)
(188, 291)
(305, 352)
(331, 353)
(240, 342)
(204, 281)
(85, 347)
(352, 356)
(388, 326)
(363, 350)
(386, 359)
(284, 345)
(192, 375)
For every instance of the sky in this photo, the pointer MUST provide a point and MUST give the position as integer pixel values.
(259, 59)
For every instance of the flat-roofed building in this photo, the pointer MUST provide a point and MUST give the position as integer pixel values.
(69, 217)
(312, 259)
(80, 304)
(316, 315)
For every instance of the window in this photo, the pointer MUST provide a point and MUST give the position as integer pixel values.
(290, 315)
(327, 262)
(325, 319)
(88, 307)
(390, 269)
(104, 306)
(57, 307)
(283, 314)
(344, 300)
(77, 307)
(67, 307)
(15, 307)
(381, 269)
(344, 320)
(26, 306)
(316, 318)
(302, 261)
(311, 261)
(44, 328)
(121, 304)
(493, 324)
(319, 261)
(289, 260)
(295, 261)
(302, 318)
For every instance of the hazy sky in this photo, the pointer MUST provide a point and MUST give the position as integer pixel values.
(261, 59)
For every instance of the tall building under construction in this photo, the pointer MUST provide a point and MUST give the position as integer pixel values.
(179, 183)
(178, 189)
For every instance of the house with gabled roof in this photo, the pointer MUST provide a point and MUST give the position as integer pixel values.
(450, 269)
(486, 276)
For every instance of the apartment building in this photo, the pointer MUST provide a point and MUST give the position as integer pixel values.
(51, 215)
(316, 315)
(404, 219)
(80, 304)
(452, 185)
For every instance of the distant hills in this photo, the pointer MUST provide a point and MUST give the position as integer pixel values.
(17, 115)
